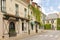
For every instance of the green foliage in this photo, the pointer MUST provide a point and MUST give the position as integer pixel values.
(58, 28)
(58, 23)
(36, 13)
(47, 26)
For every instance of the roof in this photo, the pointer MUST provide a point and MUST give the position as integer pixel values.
(52, 16)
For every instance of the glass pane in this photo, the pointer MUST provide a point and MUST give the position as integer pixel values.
(3, 5)
(17, 10)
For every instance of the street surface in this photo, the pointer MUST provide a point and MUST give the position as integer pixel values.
(48, 35)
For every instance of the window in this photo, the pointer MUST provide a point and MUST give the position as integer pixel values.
(3, 5)
(25, 10)
(52, 21)
(31, 26)
(22, 26)
(17, 9)
(31, 12)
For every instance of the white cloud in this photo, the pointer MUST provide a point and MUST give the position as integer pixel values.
(55, 11)
(51, 8)
(43, 10)
(37, 1)
(59, 7)
(52, 12)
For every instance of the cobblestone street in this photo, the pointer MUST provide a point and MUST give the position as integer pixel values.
(48, 35)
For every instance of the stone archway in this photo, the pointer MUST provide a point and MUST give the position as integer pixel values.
(12, 31)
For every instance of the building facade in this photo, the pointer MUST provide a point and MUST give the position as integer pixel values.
(43, 16)
(16, 19)
(52, 19)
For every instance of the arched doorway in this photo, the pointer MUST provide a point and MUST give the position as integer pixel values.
(12, 31)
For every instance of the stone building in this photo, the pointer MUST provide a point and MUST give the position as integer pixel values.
(37, 16)
(52, 19)
(43, 16)
(15, 19)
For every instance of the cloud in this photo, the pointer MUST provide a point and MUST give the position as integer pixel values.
(55, 11)
(37, 1)
(46, 7)
(43, 10)
(51, 8)
(59, 7)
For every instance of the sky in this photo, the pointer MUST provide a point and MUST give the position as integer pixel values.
(49, 6)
